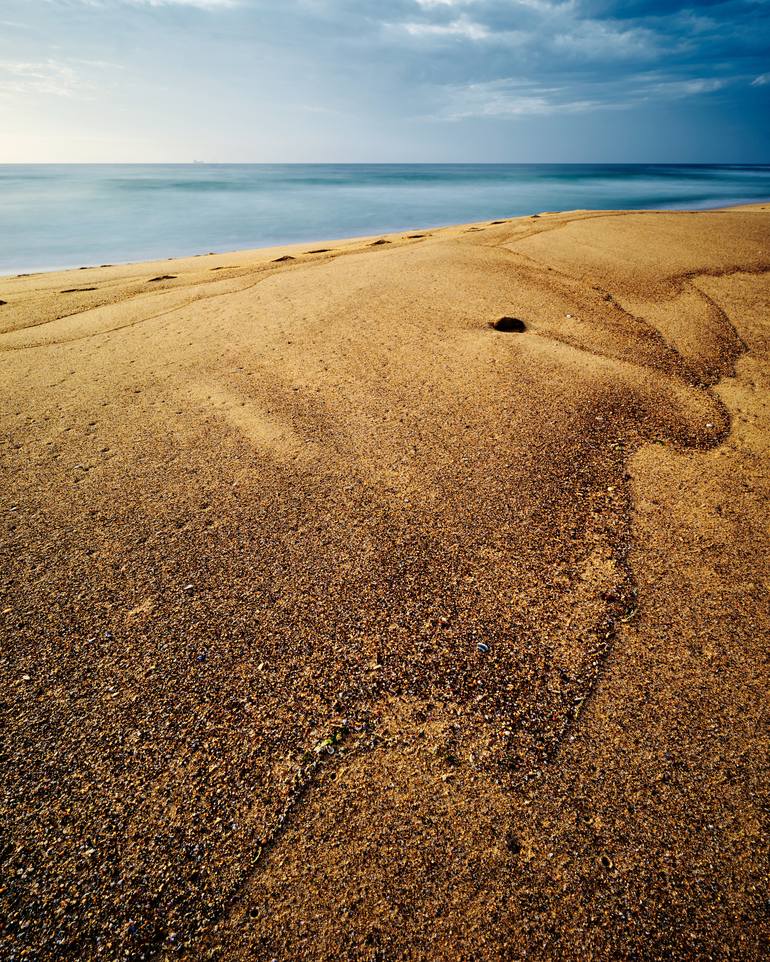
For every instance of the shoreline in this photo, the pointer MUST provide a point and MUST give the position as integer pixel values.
(291, 246)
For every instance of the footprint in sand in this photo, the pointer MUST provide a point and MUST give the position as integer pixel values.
(286, 257)
(321, 250)
(77, 290)
(379, 242)
(163, 277)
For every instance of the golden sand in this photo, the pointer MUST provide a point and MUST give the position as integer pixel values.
(340, 625)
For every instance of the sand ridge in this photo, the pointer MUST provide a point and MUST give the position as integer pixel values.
(342, 625)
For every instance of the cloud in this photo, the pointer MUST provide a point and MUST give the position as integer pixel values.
(201, 4)
(761, 81)
(197, 4)
(688, 88)
(47, 77)
(462, 27)
(546, 29)
(516, 97)
(594, 39)
(52, 78)
(443, 3)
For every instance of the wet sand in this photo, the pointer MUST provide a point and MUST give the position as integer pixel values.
(339, 624)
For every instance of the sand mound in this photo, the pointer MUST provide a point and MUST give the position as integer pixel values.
(338, 627)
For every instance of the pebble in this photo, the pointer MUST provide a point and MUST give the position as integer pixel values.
(483, 648)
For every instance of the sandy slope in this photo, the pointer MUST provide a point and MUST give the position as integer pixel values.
(338, 625)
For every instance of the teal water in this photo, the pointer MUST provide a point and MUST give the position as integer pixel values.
(72, 215)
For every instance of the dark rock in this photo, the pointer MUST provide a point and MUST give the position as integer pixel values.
(510, 325)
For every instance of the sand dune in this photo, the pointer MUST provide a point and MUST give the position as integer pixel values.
(340, 625)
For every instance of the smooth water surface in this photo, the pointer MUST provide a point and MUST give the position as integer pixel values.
(55, 216)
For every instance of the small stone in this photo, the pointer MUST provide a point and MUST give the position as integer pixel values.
(482, 647)
(26, 678)
(510, 325)
(189, 589)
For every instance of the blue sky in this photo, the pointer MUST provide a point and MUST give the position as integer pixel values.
(384, 80)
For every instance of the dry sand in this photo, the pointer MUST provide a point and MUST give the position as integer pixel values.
(339, 625)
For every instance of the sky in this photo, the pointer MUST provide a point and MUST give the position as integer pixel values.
(380, 81)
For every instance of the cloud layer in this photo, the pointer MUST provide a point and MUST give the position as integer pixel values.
(350, 75)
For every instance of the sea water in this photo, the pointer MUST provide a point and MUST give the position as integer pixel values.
(58, 216)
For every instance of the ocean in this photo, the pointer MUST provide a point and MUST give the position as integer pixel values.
(58, 216)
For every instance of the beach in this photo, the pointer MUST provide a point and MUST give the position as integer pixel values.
(340, 624)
